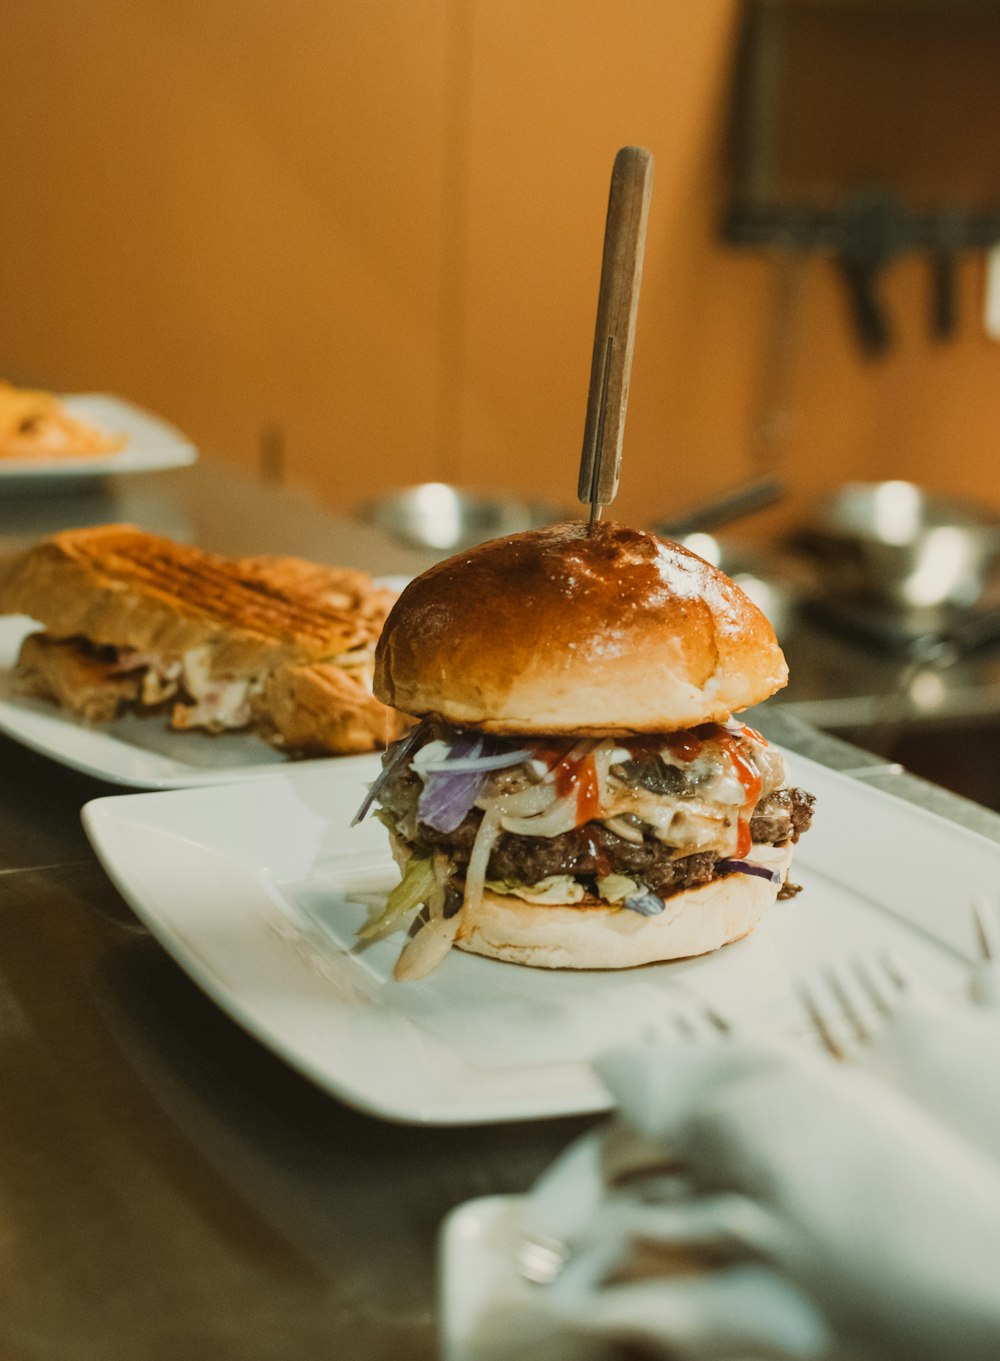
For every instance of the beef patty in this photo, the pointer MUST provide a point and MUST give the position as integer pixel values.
(593, 850)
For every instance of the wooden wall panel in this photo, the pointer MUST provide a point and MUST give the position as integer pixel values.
(234, 213)
(556, 89)
(376, 228)
(548, 113)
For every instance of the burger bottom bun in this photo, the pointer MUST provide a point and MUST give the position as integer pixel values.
(594, 936)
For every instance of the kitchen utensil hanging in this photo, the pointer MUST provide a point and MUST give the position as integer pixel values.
(866, 132)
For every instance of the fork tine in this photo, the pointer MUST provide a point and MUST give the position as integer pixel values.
(690, 1025)
(901, 973)
(984, 914)
(883, 983)
(823, 1017)
(843, 978)
(860, 994)
(720, 1024)
(699, 1021)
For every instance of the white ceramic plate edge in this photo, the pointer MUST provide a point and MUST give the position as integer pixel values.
(918, 895)
(153, 443)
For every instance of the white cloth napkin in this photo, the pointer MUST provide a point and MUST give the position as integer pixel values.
(849, 1220)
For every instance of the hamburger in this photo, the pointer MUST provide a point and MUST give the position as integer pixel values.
(577, 792)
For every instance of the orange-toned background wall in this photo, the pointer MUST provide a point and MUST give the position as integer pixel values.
(372, 232)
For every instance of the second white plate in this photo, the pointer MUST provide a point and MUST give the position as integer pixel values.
(141, 752)
(152, 444)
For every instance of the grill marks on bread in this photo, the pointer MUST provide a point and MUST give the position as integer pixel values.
(297, 636)
(206, 585)
(118, 586)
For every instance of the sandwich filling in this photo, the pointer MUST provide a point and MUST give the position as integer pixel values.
(618, 823)
(97, 681)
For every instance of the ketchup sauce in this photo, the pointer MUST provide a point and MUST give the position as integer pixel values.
(749, 777)
(581, 775)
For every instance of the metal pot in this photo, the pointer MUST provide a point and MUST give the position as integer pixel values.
(925, 559)
(437, 516)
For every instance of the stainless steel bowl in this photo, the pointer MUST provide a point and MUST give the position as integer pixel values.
(434, 515)
(759, 571)
(922, 557)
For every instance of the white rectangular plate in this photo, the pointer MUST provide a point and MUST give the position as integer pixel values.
(152, 444)
(140, 752)
(250, 889)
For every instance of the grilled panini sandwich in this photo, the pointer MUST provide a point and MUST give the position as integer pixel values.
(133, 620)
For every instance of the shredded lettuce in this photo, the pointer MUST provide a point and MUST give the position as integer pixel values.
(556, 888)
(414, 888)
(564, 888)
(615, 888)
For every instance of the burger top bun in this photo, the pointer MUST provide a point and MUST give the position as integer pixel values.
(594, 630)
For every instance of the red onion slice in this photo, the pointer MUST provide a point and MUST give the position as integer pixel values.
(749, 867)
(445, 800)
(394, 756)
(448, 795)
(451, 786)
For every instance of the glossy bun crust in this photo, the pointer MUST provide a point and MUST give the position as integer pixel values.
(584, 629)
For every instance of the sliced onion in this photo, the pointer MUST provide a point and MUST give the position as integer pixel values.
(481, 764)
(527, 802)
(452, 786)
(749, 867)
(523, 811)
(393, 758)
(424, 952)
(561, 817)
(603, 755)
(441, 868)
(562, 813)
(626, 830)
(482, 849)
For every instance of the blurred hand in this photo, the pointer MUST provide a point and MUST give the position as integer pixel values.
(854, 1219)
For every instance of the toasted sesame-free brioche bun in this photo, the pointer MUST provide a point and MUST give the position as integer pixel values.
(586, 629)
(595, 936)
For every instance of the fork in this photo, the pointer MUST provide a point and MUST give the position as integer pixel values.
(889, 984)
(984, 987)
(940, 1054)
(864, 992)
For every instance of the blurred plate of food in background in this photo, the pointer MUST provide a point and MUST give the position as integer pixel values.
(157, 664)
(45, 438)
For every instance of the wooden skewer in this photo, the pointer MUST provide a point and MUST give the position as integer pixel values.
(614, 334)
